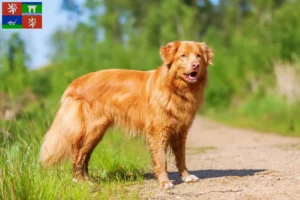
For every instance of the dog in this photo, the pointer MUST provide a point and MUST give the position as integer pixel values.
(159, 104)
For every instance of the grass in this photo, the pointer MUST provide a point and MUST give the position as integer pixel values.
(116, 164)
(268, 114)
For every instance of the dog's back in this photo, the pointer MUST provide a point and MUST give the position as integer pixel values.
(119, 95)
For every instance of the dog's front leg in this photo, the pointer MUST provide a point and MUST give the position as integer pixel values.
(158, 147)
(177, 144)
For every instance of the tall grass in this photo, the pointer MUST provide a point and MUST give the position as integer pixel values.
(116, 164)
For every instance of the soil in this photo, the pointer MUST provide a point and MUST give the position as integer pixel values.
(233, 163)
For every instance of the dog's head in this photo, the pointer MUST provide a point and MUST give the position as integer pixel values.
(187, 59)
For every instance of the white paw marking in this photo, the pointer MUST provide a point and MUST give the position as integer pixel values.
(190, 178)
(74, 180)
(168, 185)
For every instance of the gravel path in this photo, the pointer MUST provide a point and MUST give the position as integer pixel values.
(234, 163)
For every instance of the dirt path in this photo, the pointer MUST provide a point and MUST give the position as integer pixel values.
(235, 164)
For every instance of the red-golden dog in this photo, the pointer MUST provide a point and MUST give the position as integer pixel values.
(160, 104)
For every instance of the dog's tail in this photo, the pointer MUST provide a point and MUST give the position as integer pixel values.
(57, 145)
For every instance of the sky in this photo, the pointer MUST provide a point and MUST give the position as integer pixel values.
(38, 40)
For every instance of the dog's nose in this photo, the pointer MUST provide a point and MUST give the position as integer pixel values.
(195, 65)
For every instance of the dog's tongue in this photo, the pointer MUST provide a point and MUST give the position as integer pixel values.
(192, 76)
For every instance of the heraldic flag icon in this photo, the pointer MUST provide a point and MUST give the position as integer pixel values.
(22, 15)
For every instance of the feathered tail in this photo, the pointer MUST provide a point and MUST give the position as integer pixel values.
(57, 142)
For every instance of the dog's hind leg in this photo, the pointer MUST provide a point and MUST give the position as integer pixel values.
(77, 166)
(89, 145)
(94, 134)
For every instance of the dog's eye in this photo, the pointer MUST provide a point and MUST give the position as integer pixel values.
(182, 56)
(199, 55)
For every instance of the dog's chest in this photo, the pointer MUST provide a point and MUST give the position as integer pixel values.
(176, 111)
(181, 120)
(181, 116)
(175, 124)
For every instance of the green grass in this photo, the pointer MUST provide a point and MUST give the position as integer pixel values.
(267, 114)
(116, 165)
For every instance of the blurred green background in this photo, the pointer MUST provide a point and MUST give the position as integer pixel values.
(254, 83)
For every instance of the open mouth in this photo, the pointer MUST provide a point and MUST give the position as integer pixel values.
(192, 77)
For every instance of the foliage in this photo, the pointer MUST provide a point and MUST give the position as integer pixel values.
(247, 38)
(14, 59)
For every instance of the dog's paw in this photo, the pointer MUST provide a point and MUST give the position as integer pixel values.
(166, 185)
(190, 178)
(75, 180)
(89, 181)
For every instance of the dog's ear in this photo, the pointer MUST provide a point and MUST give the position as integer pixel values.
(168, 52)
(208, 53)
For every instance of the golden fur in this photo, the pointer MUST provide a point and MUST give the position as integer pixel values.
(159, 104)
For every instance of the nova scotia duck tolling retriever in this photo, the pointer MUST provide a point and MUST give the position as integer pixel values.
(159, 104)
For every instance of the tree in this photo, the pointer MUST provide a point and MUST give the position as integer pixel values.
(72, 8)
(13, 74)
(16, 54)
